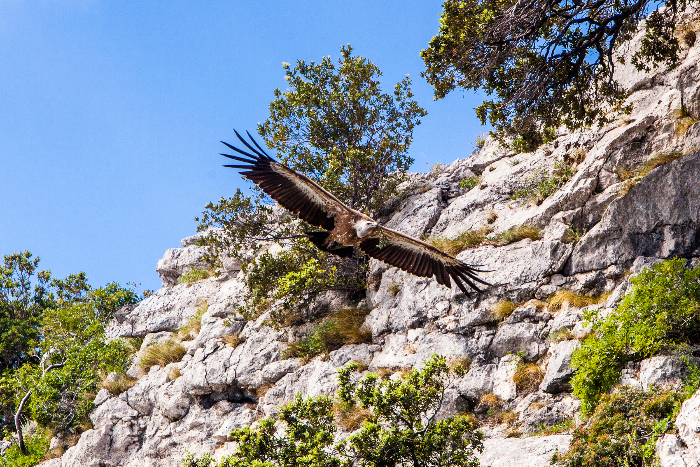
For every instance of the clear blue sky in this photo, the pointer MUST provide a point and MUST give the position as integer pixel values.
(112, 111)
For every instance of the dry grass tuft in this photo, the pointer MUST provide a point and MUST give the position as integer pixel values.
(118, 384)
(466, 240)
(632, 177)
(561, 334)
(343, 327)
(162, 354)
(350, 419)
(394, 289)
(528, 377)
(193, 324)
(460, 366)
(503, 309)
(174, 373)
(556, 301)
(234, 340)
(515, 234)
(490, 401)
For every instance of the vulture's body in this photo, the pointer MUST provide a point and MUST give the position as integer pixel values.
(346, 228)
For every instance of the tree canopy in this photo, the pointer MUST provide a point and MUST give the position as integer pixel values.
(547, 63)
(335, 125)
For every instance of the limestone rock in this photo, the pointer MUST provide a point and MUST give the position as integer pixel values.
(559, 371)
(523, 452)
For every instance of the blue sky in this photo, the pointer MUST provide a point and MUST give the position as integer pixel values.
(111, 113)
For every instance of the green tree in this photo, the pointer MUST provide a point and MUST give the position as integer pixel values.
(546, 64)
(402, 429)
(661, 311)
(335, 125)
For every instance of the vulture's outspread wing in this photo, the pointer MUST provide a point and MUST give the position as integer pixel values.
(293, 191)
(419, 258)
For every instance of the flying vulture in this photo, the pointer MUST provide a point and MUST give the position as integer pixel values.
(345, 227)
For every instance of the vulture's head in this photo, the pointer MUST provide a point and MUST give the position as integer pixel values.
(364, 228)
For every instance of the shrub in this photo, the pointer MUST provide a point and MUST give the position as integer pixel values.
(333, 332)
(234, 340)
(469, 183)
(503, 309)
(528, 377)
(622, 430)
(661, 311)
(37, 446)
(162, 354)
(400, 428)
(561, 334)
(543, 184)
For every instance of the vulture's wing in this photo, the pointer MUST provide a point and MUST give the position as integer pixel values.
(419, 258)
(293, 191)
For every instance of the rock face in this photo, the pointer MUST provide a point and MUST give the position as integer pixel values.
(593, 229)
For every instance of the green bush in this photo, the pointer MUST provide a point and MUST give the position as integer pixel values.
(543, 184)
(662, 311)
(400, 428)
(469, 182)
(37, 447)
(623, 429)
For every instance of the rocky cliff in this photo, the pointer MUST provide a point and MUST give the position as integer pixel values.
(594, 217)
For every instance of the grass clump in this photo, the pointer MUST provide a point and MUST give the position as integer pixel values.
(661, 311)
(350, 418)
(193, 324)
(117, 383)
(234, 340)
(469, 182)
(195, 275)
(341, 328)
(503, 309)
(683, 121)
(623, 429)
(460, 366)
(632, 177)
(561, 334)
(465, 240)
(162, 354)
(557, 300)
(546, 430)
(394, 289)
(528, 377)
(543, 184)
(515, 234)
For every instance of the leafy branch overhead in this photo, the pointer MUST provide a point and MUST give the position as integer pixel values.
(544, 64)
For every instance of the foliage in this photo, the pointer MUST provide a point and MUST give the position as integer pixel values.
(400, 428)
(299, 273)
(623, 429)
(543, 184)
(118, 384)
(662, 311)
(340, 328)
(546, 64)
(337, 126)
(37, 446)
(469, 182)
(51, 321)
(632, 177)
(193, 324)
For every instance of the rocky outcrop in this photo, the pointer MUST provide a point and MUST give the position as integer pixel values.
(596, 228)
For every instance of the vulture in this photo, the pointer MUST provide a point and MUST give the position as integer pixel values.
(344, 227)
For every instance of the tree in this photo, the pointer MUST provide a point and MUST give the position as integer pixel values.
(402, 428)
(546, 63)
(335, 125)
